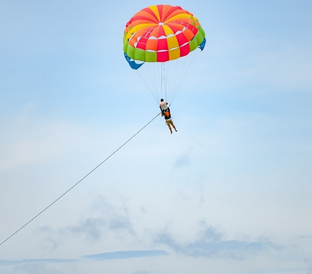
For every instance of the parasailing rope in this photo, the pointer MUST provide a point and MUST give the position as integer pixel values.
(78, 182)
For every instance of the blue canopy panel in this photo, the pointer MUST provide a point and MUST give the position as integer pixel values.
(133, 64)
(202, 45)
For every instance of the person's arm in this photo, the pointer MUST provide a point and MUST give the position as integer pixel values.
(161, 112)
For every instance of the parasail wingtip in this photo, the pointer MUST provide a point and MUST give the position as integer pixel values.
(132, 63)
(202, 45)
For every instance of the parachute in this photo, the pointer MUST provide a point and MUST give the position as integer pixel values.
(161, 43)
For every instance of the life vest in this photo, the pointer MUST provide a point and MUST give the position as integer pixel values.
(166, 113)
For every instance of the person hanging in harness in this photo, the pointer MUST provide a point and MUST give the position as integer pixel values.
(165, 112)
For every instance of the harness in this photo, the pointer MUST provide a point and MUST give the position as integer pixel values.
(166, 113)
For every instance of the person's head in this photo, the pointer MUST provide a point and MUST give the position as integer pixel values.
(161, 100)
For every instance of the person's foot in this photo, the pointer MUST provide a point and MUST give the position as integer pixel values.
(176, 130)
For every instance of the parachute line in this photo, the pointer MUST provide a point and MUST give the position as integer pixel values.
(192, 60)
(147, 85)
(42, 211)
(164, 80)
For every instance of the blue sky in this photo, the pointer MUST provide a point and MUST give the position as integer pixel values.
(229, 193)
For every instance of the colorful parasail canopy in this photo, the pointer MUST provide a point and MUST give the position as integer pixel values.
(161, 33)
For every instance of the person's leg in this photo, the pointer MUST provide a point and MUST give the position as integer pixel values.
(173, 126)
(168, 124)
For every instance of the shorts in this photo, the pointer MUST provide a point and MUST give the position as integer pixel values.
(169, 122)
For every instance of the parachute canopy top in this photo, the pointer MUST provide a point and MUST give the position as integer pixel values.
(161, 33)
